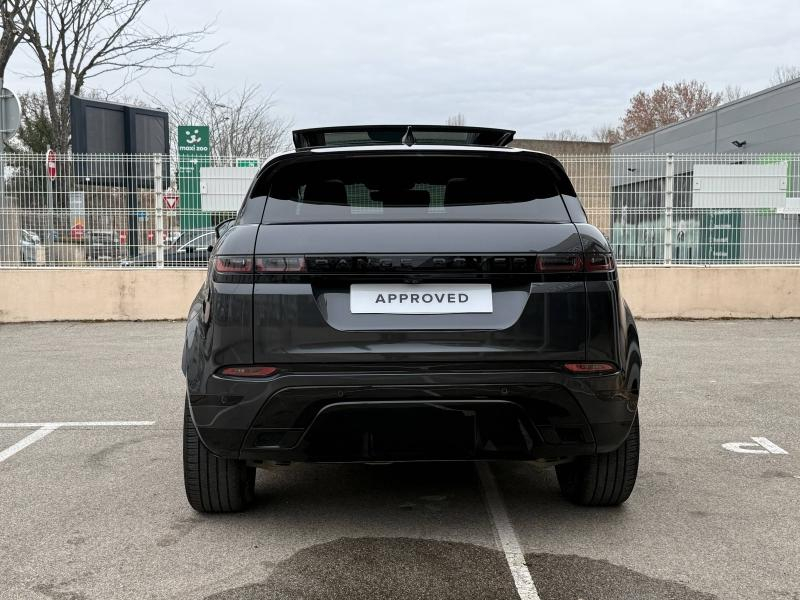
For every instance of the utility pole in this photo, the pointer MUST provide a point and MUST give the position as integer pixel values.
(229, 119)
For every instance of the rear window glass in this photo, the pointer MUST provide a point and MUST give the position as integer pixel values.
(414, 188)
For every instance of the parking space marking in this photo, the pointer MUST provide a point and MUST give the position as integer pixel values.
(44, 429)
(25, 442)
(509, 542)
(60, 424)
(759, 445)
(773, 448)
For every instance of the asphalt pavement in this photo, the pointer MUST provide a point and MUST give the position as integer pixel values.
(98, 511)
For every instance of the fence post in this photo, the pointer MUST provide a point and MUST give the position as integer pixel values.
(669, 189)
(50, 224)
(158, 186)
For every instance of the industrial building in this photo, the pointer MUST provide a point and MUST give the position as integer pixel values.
(722, 186)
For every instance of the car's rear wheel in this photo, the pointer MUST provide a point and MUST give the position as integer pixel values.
(605, 479)
(213, 484)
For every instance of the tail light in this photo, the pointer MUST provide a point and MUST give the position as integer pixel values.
(280, 264)
(590, 368)
(574, 263)
(598, 262)
(248, 371)
(233, 264)
(559, 263)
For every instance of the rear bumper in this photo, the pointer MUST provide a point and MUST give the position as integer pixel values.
(412, 413)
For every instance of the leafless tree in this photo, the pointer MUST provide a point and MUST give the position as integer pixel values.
(15, 16)
(76, 40)
(566, 135)
(733, 92)
(241, 122)
(784, 73)
(456, 120)
(609, 134)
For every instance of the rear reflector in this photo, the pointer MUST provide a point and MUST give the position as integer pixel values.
(587, 368)
(251, 371)
(233, 264)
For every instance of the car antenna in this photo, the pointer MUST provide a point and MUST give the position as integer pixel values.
(408, 137)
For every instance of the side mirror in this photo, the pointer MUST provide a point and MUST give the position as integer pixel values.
(223, 227)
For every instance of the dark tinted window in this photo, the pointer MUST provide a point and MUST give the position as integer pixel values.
(414, 188)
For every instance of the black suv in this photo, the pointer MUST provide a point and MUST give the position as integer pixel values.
(410, 293)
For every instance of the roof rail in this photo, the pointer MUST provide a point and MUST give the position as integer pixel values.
(410, 135)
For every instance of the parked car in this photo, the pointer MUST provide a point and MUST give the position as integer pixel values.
(189, 249)
(410, 293)
(171, 237)
(29, 243)
(102, 245)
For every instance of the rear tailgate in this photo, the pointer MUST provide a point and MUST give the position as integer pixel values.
(308, 317)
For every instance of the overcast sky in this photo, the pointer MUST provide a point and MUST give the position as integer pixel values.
(531, 66)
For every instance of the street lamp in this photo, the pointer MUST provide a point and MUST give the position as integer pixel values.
(230, 130)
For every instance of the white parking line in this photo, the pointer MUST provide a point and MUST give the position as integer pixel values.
(25, 442)
(44, 429)
(773, 448)
(506, 535)
(59, 424)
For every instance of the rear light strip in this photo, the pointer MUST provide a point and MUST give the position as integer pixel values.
(598, 262)
(542, 263)
(280, 264)
(261, 264)
(233, 264)
(559, 263)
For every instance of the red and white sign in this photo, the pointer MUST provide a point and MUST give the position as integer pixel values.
(171, 201)
(76, 231)
(50, 160)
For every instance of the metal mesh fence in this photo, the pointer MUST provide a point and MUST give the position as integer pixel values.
(116, 210)
(698, 209)
(153, 211)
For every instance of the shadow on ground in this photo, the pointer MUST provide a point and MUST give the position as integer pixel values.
(403, 568)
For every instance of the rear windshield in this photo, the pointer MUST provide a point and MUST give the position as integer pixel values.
(414, 188)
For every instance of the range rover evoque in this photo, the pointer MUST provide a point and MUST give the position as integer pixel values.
(405, 293)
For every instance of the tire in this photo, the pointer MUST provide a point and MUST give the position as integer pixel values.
(213, 484)
(605, 479)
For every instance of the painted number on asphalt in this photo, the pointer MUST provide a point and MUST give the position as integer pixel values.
(759, 445)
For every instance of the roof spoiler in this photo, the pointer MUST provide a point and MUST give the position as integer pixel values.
(410, 135)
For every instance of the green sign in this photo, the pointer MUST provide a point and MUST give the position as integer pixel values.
(721, 235)
(247, 162)
(194, 151)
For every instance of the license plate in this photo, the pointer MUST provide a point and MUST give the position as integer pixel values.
(420, 299)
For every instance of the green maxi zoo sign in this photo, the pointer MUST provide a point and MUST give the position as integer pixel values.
(194, 151)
